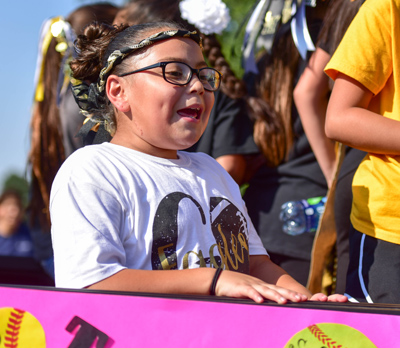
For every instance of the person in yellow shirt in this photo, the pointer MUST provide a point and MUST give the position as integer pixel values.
(364, 112)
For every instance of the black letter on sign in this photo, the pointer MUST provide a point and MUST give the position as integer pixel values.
(165, 231)
(86, 334)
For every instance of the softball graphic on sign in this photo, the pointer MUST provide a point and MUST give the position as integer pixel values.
(329, 335)
(20, 329)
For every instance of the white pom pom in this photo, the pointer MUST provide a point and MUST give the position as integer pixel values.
(209, 16)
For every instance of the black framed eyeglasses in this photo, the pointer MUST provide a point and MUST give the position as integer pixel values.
(178, 73)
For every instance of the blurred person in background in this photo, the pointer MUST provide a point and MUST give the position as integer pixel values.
(311, 96)
(15, 239)
(56, 118)
(291, 171)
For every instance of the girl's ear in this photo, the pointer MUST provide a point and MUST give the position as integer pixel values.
(116, 89)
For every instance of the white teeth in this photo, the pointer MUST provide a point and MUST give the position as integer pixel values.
(197, 111)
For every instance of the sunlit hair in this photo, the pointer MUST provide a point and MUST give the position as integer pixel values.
(272, 104)
(47, 150)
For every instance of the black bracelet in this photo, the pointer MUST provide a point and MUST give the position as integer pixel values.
(214, 281)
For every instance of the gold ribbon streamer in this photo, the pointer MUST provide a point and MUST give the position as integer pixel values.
(39, 92)
(325, 237)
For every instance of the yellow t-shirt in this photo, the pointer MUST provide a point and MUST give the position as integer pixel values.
(370, 54)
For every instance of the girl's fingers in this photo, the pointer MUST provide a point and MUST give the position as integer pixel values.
(243, 286)
(280, 295)
(319, 297)
(332, 298)
(240, 285)
(337, 298)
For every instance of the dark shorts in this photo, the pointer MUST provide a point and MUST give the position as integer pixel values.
(374, 270)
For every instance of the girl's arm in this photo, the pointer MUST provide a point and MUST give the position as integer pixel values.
(350, 122)
(198, 282)
(194, 282)
(311, 98)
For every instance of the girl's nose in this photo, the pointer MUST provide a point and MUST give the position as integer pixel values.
(196, 85)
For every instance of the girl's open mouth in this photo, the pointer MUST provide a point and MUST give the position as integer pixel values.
(193, 113)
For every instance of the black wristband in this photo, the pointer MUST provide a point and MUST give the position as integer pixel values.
(215, 280)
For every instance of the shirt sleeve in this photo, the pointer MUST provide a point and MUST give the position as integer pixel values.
(365, 53)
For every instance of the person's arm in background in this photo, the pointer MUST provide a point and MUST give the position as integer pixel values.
(311, 96)
(350, 122)
(235, 165)
(229, 136)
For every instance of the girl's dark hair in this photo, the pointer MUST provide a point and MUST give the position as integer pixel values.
(92, 45)
(272, 105)
(47, 150)
(271, 108)
(144, 11)
(338, 17)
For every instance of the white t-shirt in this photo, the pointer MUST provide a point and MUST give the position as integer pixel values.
(114, 208)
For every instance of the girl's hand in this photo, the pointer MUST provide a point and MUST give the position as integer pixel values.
(332, 298)
(239, 285)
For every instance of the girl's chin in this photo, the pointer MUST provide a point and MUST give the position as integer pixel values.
(189, 140)
(186, 146)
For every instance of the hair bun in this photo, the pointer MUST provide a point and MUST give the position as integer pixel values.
(91, 47)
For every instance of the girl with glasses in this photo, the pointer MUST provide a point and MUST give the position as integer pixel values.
(229, 133)
(138, 213)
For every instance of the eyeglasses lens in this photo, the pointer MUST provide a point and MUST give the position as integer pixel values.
(209, 78)
(179, 73)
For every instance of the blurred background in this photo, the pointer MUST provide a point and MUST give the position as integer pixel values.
(22, 21)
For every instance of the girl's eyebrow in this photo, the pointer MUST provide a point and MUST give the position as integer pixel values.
(200, 64)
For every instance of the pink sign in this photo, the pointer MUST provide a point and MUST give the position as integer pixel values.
(56, 318)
